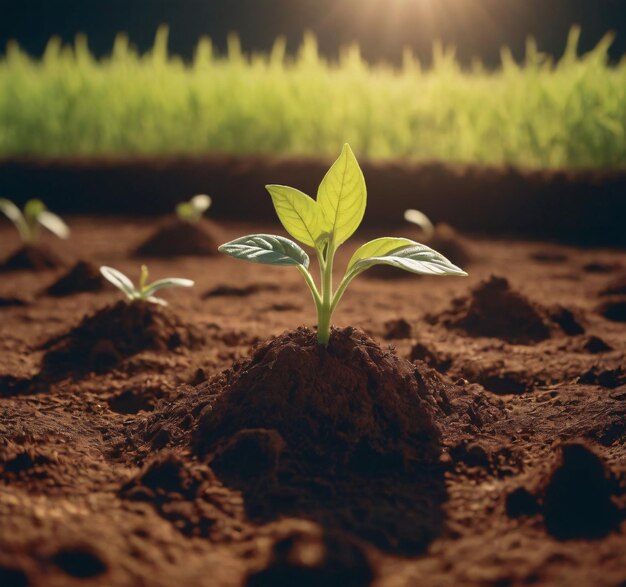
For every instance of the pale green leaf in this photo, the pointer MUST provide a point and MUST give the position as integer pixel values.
(201, 203)
(266, 249)
(167, 282)
(11, 211)
(420, 220)
(378, 248)
(54, 224)
(298, 213)
(119, 280)
(342, 197)
(416, 258)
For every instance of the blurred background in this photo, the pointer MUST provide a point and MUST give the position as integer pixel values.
(459, 101)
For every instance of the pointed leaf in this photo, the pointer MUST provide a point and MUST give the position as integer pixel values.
(379, 248)
(416, 258)
(266, 249)
(201, 203)
(298, 213)
(342, 196)
(119, 280)
(420, 220)
(167, 282)
(11, 211)
(54, 224)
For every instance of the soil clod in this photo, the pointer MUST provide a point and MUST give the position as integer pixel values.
(614, 309)
(595, 345)
(397, 329)
(31, 258)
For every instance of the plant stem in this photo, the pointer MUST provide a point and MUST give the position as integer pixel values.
(324, 311)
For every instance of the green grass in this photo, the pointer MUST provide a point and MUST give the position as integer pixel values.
(569, 113)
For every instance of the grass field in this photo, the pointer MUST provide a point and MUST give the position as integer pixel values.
(540, 113)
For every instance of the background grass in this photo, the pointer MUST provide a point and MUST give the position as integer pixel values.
(570, 113)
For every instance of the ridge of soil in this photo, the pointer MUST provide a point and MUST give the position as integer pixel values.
(81, 277)
(177, 238)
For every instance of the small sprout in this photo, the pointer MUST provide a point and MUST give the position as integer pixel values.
(325, 224)
(145, 291)
(421, 221)
(34, 216)
(193, 210)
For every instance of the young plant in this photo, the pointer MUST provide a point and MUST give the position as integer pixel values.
(30, 221)
(145, 291)
(325, 224)
(421, 221)
(193, 210)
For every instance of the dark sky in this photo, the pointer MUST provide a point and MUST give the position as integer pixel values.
(382, 27)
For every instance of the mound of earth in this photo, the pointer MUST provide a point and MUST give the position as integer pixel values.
(178, 238)
(102, 340)
(320, 433)
(614, 309)
(31, 257)
(494, 309)
(82, 277)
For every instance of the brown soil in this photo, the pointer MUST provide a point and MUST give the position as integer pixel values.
(213, 443)
(31, 258)
(177, 238)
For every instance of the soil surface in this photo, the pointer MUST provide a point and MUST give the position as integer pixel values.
(454, 432)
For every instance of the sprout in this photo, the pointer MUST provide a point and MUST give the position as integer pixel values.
(325, 224)
(34, 216)
(145, 291)
(421, 221)
(193, 210)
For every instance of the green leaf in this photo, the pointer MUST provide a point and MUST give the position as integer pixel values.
(266, 249)
(379, 248)
(119, 280)
(167, 282)
(342, 197)
(415, 258)
(33, 208)
(298, 213)
(11, 211)
(54, 224)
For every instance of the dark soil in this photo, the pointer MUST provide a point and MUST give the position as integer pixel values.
(32, 258)
(82, 277)
(177, 238)
(213, 443)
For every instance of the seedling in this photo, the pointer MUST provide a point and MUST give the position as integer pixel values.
(421, 221)
(30, 221)
(325, 224)
(145, 291)
(193, 210)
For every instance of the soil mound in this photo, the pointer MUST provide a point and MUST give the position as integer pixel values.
(31, 257)
(494, 309)
(352, 404)
(82, 277)
(102, 340)
(614, 309)
(577, 500)
(178, 238)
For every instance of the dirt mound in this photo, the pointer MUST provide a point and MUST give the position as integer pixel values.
(178, 238)
(614, 309)
(31, 257)
(102, 340)
(352, 404)
(82, 277)
(494, 309)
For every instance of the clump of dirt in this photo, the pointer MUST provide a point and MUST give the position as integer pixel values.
(82, 277)
(595, 345)
(352, 404)
(33, 258)
(308, 556)
(179, 238)
(568, 321)
(575, 498)
(397, 329)
(614, 309)
(494, 309)
(610, 378)
(421, 352)
(102, 340)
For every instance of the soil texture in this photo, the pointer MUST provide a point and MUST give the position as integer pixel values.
(175, 238)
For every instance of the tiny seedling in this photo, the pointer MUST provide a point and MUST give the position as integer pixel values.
(145, 291)
(421, 221)
(193, 210)
(29, 221)
(325, 224)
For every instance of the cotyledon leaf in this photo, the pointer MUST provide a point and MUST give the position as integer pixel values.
(267, 249)
(342, 197)
(378, 248)
(299, 214)
(119, 280)
(416, 258)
